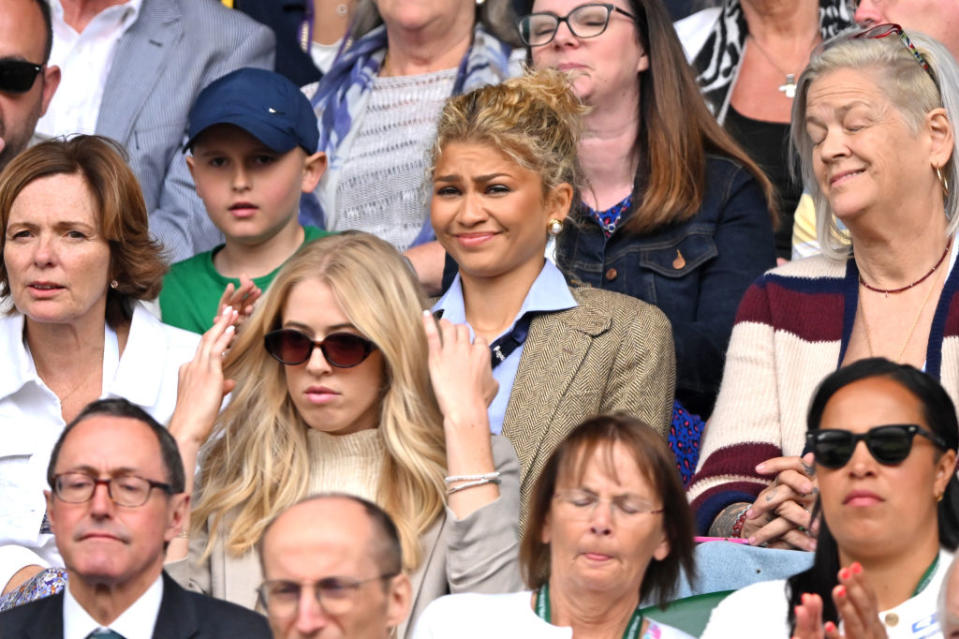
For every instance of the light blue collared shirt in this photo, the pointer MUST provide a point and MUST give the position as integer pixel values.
(549, 292)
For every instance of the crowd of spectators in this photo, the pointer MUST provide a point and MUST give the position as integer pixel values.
(341, 318)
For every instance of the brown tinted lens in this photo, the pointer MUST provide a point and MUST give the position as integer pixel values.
(289, 346)
(345, 349)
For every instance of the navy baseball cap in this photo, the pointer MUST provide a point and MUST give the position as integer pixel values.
(263, 103)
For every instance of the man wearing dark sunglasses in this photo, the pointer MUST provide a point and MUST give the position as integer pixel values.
(26, 82)
(933, 17)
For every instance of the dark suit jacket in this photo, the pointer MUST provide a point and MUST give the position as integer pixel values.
(183, 615)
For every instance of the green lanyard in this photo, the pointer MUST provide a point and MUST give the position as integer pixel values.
(542, 610)
(926, 576)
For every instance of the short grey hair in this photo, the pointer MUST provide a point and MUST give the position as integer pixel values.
(908, 87)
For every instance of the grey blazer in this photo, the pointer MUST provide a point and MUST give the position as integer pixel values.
(173, 50)
(611, 353)
(475, 554)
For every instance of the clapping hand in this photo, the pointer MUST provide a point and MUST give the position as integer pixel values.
(240, 299)
(857, 605)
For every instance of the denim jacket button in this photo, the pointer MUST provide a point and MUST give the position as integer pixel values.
(611, 274)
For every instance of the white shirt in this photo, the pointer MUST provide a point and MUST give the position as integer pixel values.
(136, 622)
(759, 610)
(475, 616)
(84, 59)
(31, 422)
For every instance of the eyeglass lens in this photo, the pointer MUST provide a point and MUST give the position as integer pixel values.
(125, 490)
(343, 350)
(586, 21)
(582, 503)
(18, 76)
(334, 594)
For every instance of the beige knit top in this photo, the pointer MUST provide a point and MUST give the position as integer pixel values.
(346, 463)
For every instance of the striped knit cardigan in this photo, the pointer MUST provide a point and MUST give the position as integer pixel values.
(791, 330)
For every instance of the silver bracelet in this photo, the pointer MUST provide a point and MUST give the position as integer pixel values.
(470, 484)
(486, 477)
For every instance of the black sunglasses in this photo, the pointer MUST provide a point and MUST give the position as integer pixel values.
(888, 444)
(342, 350)
(18, 76)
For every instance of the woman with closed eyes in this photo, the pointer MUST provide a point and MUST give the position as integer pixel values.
(884, 436)
(332, 391)
(874, 125)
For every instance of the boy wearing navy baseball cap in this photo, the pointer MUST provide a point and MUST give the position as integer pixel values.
(253, 137)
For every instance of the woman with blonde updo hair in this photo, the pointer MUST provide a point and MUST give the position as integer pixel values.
(504, 170)
(331, 391)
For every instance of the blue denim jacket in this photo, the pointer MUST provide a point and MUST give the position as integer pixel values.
(695, 271)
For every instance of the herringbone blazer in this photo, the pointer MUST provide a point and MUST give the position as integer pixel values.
(612, 353)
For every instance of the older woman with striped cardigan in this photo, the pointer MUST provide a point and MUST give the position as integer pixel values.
(874, 125)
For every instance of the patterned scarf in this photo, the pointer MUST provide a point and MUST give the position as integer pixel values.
(340, 95)
(717, 63)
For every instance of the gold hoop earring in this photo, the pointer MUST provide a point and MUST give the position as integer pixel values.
(943, 182)
(555, 227)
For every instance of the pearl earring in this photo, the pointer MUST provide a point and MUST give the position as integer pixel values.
(555, 227)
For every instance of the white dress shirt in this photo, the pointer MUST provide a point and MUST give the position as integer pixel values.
(84, 59)
(31, 421)
(136, 622)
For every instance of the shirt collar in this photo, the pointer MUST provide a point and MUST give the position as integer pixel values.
(20, 366)
(549, 292)
(136, 622)
(128, 12)
(132, 380)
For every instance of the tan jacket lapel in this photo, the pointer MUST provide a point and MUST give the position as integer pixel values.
(552, 356)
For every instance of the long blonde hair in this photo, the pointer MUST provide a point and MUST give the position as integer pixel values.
(257, 463)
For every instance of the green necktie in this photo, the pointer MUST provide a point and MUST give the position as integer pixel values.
(104, 633)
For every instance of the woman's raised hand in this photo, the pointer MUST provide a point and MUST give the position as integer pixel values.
(460, 371)
(464, 387)
(857, 606)
(202, 385)
(780, 516)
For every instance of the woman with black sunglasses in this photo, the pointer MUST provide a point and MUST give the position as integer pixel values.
(875, 129)
(884, 436)
(332, 391)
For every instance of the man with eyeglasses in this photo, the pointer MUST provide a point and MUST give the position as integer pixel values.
(27, 83)
(332, 566)
(115, 501)
(933, 17)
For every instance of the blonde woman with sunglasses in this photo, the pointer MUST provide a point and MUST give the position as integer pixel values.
(332, 390)
(874, 125)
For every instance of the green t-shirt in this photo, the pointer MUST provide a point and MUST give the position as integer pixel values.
(193, 287)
